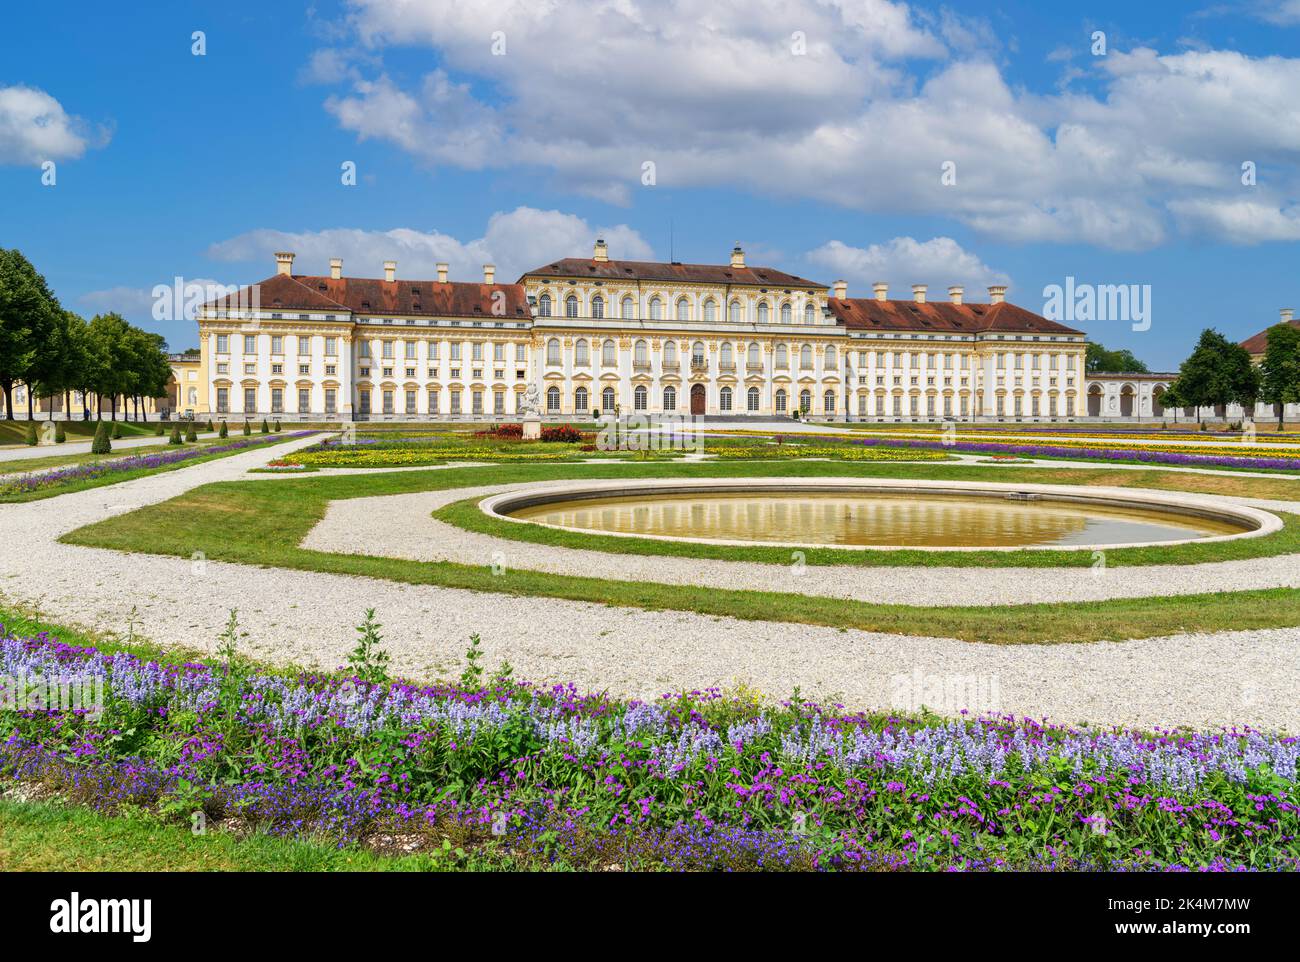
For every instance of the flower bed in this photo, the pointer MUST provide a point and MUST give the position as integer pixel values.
(62, 477)
(835, 452)
(697, 781)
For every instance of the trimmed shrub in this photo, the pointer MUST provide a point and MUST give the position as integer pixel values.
(225, 431)
(210, 427)
(101, 444)
(276, 427)
(30, 436)
(175, 435)
(191, 433)
(60, 435)
(266, 428)
(248, 429)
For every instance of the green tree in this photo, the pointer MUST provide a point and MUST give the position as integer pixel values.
(1218, 372)
(27, 312)
(101, 444)
(1098, 360)
(191, 434)
(1279, 371)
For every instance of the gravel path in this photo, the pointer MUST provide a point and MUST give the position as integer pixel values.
(400, 526)
(307, 618)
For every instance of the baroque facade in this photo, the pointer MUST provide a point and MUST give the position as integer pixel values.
(602, 335)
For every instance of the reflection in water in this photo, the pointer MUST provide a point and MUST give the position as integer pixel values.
(873, 519)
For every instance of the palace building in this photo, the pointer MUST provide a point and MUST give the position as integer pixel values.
(598, 335)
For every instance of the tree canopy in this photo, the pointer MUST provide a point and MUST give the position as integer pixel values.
(1099, 360)
(1218, 372)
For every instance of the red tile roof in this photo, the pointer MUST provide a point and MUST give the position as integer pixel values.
(364, 295)
(658, 271)
(1257, 343)
(941, 317)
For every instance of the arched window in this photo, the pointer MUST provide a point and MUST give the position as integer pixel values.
(828, 402)
(753, 357)
(724, 399)
(670, 354)
(764, 315)
(571, 306)
(553, 400)
(627, 309)
(683, 309)
(830, 355)
(607, 354)
(641, 354)
(724, 355)
(670, 398)
(710, 310)
(580, 400)
(656, 309)
(553, 351)
(607, 399)
(809, 313)
(805, 401)
(581, 354)
(782, 356)
(734, 312)
(786, 315)
(697, 354)
(639, 397)
(805, 357)
(780, 402)
(753, 399)
(598, 306)
(544, 305)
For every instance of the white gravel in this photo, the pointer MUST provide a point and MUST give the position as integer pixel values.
(400, 526)
(307, 618)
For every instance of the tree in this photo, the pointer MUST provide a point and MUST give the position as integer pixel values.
(27, 311)
(1098, 360)
(1218, 372)
(101, 444)
(175, 435)
(1279, 371)
(191, 434)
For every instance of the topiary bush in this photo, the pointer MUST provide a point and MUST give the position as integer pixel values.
(248, 429)
(60, 435)
(210, 427)
(225, 431)
(276, 427)
(175, 437)
(266, 428)
(191, 433)
(30, 436)
(101, 444)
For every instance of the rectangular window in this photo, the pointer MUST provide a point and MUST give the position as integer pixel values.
(411, 349)
(455, 402)
(365, 402)
(304, 400)
(277, 400)
(223, 400)
(304, 368)
(521, 352)
(331, 400)
(433, 402)
(277, 344)
(455, 352)
(477, 349)
(304, 345)
(250, 399)
(433, 350)
(365, 349)
(498, 402)
(388, 349)
(223, 343)
(331, 347)
(477, 402)
(388, 402)
(498, 352)
(250, 343)
(410, 402)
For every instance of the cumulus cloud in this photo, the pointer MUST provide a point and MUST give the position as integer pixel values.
(903, 261)
(1240, 221)
(515, 241)
(858, 103)
(35, 128)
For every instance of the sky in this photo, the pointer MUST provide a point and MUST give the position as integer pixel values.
(1155, 145)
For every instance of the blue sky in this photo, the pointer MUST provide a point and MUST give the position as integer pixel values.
(1114, 169)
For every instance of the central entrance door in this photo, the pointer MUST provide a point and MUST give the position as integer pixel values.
(697, 398)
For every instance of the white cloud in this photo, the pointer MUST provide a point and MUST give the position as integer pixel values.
(712, 92)
(34, 128)
(903, 261)
(1240, 221)
(1284, 13)
(515, 241)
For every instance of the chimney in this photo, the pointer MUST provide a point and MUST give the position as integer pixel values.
(955, 294)
(737, 257)
(997, 293)
(284, 262)
(601, 253)
(881, 290)
(841, 289)
(390, 271)
(442, 273)
(336, 267)
(489, 273)
(1287, 314)
(918, 293)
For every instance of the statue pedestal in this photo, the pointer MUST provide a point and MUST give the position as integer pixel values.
(532, 427)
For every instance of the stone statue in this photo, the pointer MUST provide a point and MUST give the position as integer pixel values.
(532, 401)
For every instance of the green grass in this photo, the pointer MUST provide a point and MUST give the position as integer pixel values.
(27, 465)
(15, 432)
(263, 522)
(53, 837)
(466, 514)
(117, 477)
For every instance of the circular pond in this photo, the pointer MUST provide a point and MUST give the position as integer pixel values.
(869, 515)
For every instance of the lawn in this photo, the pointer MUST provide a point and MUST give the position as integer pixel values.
(263, 523)
(15, 432)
